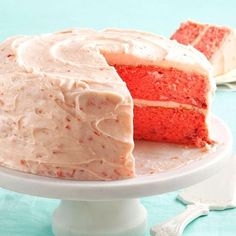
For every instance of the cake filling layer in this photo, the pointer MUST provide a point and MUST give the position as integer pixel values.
(166, 104)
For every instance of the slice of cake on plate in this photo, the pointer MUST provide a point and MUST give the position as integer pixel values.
(66, 106)
(217, 43)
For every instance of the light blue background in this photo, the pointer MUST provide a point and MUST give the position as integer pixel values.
(22, 215)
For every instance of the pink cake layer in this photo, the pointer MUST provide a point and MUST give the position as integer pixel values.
(205, 38)
(188, 32)
(165, 84)
(174, 125)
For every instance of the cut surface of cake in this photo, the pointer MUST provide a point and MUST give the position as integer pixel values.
(67, 100)
(217, 43)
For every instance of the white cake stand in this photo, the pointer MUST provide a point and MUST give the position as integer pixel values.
(100, 208)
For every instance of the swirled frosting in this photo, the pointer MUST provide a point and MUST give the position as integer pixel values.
(64, 111)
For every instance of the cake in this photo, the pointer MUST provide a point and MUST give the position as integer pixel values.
(217, 43)
(67, 100)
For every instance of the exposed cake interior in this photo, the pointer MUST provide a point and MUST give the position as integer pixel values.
(205, 38)
(170, 104)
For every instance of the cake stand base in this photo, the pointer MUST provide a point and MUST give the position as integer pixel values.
(100, 218)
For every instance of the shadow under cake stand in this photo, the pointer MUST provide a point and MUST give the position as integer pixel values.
(98, 208)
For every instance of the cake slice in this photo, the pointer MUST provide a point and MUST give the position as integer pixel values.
(217, 43)
(67, 100)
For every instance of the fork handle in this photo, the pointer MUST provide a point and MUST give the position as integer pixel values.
(176, 225)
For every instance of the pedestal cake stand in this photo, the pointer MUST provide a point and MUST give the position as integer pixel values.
(97, 208)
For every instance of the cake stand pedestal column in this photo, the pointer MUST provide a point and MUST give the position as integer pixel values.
(100, 218)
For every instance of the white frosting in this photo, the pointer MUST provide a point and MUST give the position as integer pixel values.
(62, 104)
(145, 48)
(224, 59)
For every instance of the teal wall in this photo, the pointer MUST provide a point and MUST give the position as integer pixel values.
(160, 16)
